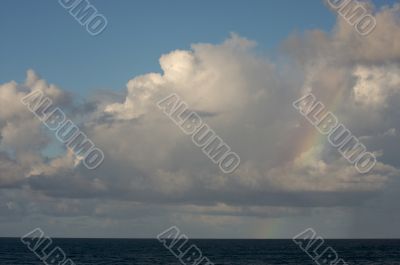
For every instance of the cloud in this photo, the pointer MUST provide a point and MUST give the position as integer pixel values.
(152, 168)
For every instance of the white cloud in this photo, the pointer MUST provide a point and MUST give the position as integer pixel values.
(287, 167)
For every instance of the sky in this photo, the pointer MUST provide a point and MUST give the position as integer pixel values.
(239, 65)
(137, 34)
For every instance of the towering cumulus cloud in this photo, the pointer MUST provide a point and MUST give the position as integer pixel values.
(153, 174)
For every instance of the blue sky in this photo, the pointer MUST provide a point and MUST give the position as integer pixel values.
(44, 36)
(153, 176)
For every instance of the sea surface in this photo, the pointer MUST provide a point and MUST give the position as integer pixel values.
(233, 252)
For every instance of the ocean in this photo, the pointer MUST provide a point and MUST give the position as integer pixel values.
(232, 252)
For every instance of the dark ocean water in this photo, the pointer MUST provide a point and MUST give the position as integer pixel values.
(235, 252)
